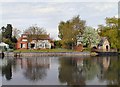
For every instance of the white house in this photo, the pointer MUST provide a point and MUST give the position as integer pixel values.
(39, 44)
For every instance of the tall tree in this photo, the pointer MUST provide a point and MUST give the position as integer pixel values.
(90, 37)
(7, 36)
(7, 31)
(69, 30)
(111, 31)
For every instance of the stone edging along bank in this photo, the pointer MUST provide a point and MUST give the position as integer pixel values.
(37, 54)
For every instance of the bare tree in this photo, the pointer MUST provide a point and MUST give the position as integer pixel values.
(16, 32)
(35, 30)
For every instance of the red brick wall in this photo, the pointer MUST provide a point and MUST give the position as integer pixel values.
(18, 45)
(79, 47)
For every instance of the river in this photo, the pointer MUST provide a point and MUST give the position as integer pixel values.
(98, 70)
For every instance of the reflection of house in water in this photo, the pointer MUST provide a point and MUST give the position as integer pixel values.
(33, 62)
(42, 62)
(34, 68)
(70, 71)
(78, 72)
(79, 63)
(104, 65)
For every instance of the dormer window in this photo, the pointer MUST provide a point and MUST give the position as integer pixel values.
(24, 36)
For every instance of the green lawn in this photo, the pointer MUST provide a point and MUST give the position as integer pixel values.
(46, 50)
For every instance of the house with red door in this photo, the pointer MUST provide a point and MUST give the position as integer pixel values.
(34, 42)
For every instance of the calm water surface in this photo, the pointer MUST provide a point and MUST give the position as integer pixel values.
(61, 71)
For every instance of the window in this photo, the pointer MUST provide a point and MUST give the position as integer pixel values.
(23, 45)
(32, 45)
(24, 39)
(24, 36)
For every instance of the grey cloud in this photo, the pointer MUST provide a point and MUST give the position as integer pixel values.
(48, 14)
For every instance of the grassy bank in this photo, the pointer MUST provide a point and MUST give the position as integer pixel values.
(46, 50)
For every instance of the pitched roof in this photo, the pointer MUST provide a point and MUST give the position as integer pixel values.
(39, 37)
(103, 39)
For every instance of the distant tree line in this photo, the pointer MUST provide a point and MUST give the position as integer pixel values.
(71, 30)
(76, 29)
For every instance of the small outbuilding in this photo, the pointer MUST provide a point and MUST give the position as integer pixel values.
(4, 46)
(104, 44)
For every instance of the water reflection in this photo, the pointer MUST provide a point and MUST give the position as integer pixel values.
(7, 70)
(79, 71)
(33, 69)
(110, 70)
(36, 68)
(75, 71)
(104, 66)
(70, 70)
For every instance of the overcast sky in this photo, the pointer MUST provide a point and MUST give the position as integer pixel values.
(49, 14)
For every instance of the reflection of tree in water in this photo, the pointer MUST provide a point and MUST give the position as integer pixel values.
(0, 66)
(66, 70)
(106, 68)
(110, 73)
(35, 71)
(7, 70)
(75, 71)
(90, 69)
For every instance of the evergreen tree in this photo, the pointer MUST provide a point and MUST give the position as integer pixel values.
(7, 31)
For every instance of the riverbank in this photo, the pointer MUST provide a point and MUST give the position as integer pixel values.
(54, 52)
(108, 53)
(45, 50)
(40, 54)
(45, 54)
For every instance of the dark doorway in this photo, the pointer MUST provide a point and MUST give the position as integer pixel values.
(107, 48)
(21, 45)
(32, 45)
